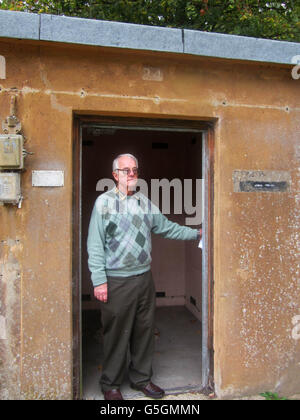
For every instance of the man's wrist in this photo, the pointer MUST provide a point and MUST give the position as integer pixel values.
(99, 285)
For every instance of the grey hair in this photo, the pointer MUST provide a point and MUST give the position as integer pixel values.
(115, 162)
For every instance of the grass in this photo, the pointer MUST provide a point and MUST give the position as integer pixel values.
(272, 396)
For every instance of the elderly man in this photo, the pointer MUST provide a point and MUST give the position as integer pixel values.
(119, 248)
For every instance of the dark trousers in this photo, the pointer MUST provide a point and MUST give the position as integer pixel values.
(128, 324)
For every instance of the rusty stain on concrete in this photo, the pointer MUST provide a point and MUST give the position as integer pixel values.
(10, 274)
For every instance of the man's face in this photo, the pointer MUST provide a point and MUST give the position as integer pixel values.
(126, 175)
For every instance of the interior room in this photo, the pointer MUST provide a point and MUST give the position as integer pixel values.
(176, 265)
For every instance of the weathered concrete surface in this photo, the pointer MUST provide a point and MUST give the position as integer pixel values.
(10, 292)
(256, 255)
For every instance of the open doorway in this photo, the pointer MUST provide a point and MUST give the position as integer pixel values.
(182, 359)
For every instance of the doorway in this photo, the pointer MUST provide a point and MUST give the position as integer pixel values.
(169, 150)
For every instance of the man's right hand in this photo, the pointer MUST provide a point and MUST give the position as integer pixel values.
(100, 292)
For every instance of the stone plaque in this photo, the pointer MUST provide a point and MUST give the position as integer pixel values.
(47, 178)
(261, 181)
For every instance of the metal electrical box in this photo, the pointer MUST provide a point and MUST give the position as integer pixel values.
(11, 151)
(10, 187)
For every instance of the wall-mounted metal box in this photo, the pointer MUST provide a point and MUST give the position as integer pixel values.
(11, 151)
(10, 187)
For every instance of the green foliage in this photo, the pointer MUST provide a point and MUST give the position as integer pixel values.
(272, 396)
(256, 18)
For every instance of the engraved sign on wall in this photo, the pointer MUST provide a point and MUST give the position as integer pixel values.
(261, 181)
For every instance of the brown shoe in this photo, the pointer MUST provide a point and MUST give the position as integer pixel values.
(113, 394)
(150, 390)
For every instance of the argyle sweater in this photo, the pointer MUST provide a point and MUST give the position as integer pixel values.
(119, 237)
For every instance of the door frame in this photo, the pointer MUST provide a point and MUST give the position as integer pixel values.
(207, 130)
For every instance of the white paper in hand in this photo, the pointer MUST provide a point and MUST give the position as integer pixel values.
(200, 244)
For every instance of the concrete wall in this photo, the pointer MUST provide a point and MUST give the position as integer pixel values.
(256, 273)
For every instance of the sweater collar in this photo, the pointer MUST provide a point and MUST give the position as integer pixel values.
(122, 196)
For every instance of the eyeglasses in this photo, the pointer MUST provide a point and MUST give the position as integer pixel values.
(127, 171)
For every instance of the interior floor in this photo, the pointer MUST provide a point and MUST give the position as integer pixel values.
(177, 358)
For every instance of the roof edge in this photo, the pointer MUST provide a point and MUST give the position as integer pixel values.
(74, 30)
